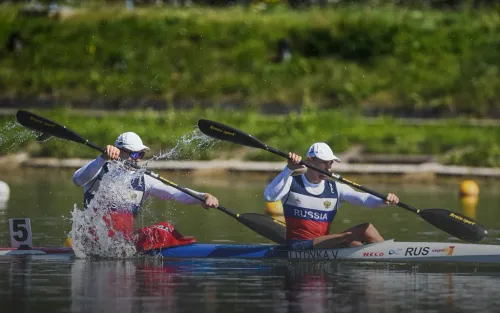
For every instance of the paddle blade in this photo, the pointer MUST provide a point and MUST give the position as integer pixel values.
(265, 226)
(455, 224)
(47, 127)
(228, 133)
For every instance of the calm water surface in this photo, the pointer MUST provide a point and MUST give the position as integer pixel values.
(66, 284)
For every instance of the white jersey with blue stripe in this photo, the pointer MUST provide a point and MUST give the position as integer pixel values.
(309, 213)
(315, 216)
(142, 188)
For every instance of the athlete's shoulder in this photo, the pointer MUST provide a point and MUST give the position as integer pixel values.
(332, 186)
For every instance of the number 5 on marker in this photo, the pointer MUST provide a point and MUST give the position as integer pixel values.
(20, 232)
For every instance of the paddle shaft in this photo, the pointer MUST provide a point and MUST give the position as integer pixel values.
(341, 179)
(228, 133)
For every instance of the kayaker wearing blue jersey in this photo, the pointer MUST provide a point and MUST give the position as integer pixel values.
(121, 213)
(310, 203)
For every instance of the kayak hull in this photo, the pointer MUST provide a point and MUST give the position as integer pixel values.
(387, 251)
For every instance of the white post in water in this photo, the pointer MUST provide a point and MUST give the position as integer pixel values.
(4, 194)
(129, 4)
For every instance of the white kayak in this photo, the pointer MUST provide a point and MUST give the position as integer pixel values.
(391, 250)
(387, 251)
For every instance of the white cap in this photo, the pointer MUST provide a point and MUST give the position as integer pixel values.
(322, 151)
(130, 141)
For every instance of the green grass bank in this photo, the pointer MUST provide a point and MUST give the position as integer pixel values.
(375, 59)
(174, 133)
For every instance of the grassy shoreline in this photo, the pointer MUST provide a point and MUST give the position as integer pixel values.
(383, 59)
(175, 134)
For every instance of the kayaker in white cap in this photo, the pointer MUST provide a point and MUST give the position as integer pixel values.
(310, 203)
(120, 216)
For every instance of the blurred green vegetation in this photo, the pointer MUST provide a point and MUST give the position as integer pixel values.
(388, 59)
(450, 141)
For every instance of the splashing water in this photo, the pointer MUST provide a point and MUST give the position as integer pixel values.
(185, 146)
(188, 144)
(12, 135)
(89, 231)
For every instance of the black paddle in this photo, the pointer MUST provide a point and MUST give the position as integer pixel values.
(264, 225)
(453, 223)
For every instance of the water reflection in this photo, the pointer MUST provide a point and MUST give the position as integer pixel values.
(103, 286)
(18, 279)
(145, 285)
(390, 288)
(33, 284)
(53, 284)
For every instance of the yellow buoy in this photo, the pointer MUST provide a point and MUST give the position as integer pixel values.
(469, 205)
(469, 192)
(469, 188)
(68, 243)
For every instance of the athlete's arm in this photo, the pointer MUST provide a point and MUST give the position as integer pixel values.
(348, 194)
(279, 186)
(87, 173)
(164, 192)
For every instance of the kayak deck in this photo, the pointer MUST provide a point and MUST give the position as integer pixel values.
(388, 251)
